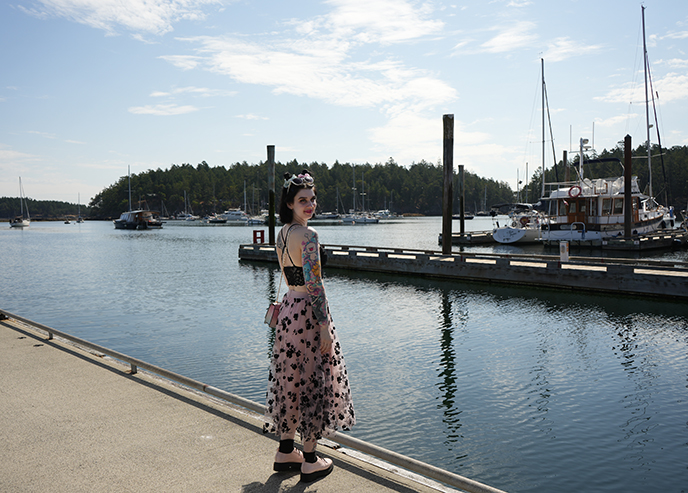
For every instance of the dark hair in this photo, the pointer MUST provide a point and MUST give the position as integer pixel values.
(286, 215)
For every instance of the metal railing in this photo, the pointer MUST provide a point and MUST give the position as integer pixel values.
(386, 455)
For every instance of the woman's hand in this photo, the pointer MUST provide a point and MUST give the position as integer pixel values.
(325, 339)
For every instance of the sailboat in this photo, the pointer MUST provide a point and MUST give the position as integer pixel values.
(587, 211)
(138, 219)
(79, 219)
(21, 221)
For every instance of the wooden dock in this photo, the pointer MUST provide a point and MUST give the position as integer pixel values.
(654, 278)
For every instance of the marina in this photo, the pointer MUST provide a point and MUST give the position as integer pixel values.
(523, 388)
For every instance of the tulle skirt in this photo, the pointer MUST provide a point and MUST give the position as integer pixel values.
(308, 392)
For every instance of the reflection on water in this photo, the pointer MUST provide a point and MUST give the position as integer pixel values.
(529, 390)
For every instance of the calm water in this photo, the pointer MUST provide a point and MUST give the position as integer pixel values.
(527, 390)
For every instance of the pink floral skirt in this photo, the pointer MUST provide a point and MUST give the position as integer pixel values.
(308, 392)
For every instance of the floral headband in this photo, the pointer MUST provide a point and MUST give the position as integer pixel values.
(303, 179)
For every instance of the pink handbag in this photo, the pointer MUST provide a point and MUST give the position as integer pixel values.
(272, 315)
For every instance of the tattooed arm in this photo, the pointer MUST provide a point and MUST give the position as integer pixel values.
(313, 277)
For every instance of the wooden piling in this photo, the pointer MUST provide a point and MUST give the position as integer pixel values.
(448, 193)
(271, 194)
(628, 198)
(462, 202)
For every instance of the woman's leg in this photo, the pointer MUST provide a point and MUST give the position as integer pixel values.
(314, 467)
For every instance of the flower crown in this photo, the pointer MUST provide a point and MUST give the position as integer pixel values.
(300, 179)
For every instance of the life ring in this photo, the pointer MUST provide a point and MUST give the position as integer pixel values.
(574, 191)
(524, 221)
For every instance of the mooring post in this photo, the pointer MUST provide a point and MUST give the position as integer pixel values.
(271, 195)
(448, 193)
(628, 198)
(462, 202)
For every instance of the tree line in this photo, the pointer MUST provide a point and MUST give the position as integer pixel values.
(417, 189)
(205, 189)
(41, 209)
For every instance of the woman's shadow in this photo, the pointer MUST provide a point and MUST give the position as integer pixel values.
(274, 484)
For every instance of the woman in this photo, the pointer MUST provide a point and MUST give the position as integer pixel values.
(308, 386)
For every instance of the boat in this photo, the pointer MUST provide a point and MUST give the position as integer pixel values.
(235, 216)
(359, 219)
(213, 219)
(138, 219)
(588, 212)
(522, 225)
(24, 219)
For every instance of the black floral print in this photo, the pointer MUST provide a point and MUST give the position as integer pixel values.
(307, 391)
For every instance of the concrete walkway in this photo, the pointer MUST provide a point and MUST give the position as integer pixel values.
(72, 421)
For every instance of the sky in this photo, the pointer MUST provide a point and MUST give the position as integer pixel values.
(89, 88)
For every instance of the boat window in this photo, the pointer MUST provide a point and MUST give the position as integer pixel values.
(593, 207)
(618, 206)
(606, 206)
(572, 207)
(583, 204)
(636, 204)
(562, 207)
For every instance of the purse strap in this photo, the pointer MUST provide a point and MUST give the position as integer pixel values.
(286, 243)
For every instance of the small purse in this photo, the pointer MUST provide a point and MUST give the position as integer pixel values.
(272, 315)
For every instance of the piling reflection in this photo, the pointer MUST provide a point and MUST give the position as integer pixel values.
(450, 323)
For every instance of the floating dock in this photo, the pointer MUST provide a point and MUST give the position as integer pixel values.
(653, 278)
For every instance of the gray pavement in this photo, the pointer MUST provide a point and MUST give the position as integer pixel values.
(73, 421)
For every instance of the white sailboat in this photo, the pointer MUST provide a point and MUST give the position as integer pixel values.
(24, 220)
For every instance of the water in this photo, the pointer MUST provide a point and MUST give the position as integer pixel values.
(527, 390)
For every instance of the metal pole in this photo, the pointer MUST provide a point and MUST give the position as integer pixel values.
(448, 192)
(628, 198)
(271, 195)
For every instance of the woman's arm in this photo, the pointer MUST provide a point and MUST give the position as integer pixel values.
(313, 276)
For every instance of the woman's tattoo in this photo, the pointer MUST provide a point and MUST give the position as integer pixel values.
(313, 276)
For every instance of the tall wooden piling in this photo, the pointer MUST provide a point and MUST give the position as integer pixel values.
(271, 194)
(462, 201)
(628, 198)
(448, 193)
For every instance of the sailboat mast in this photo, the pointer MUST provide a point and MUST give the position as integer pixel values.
(647, 106)
(542, 65)
(21, 199)
(129, 175)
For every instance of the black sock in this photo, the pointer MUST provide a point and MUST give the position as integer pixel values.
(310, 457)
(286, 446)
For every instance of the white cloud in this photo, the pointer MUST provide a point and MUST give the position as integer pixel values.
(42, 134)
(197, 91)
(381, 21)
(250, 116)
(615, 120)
(162, 109)
(183, 62)
(150, 16)
(323, 75)
(511, 38)
(671, 87)
(563, 48)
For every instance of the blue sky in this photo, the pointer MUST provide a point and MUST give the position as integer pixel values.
(89, 87)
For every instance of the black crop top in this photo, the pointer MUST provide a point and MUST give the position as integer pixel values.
(293, 273)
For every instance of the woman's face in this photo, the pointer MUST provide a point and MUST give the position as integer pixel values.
(303, 205)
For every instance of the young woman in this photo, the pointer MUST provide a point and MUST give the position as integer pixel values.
(308, 386)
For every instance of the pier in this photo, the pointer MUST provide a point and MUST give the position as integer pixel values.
(76, 416)
(653, 278)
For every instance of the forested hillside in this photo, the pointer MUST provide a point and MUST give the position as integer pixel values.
(417, 189)
(40, 209)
